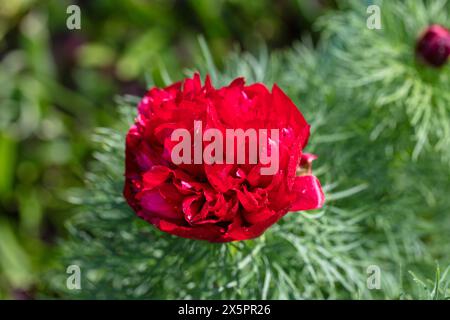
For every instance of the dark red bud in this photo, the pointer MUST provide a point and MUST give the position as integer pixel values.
(433, 46)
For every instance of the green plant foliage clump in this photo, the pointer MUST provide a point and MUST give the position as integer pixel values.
(380, 127)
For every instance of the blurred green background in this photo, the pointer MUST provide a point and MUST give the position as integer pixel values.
(56, 85)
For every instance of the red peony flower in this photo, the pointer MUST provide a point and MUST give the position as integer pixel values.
(220, 200)
(433, 47)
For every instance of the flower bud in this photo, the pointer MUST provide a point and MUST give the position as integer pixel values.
(433, 47)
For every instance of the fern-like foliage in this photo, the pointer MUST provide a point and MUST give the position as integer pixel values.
(380, 66)
(382, 208)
